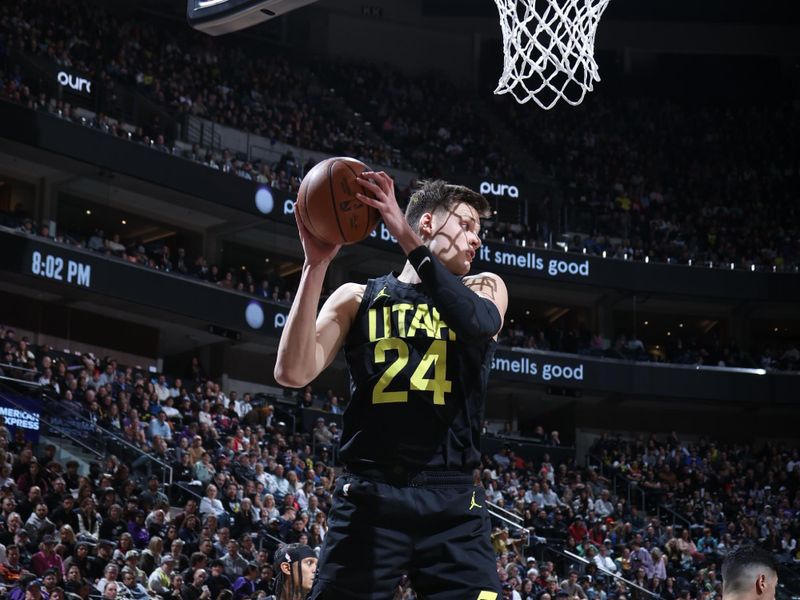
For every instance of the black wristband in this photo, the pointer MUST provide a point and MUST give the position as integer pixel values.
(421, 258)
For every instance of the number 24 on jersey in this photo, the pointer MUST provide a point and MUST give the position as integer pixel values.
(435, 356)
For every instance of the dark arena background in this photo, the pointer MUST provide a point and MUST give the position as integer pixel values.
(643, 408)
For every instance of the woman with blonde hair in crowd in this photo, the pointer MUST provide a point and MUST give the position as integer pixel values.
(151, 556)
(659, 564)
(89, 521)
(66, 541)
(268, 505)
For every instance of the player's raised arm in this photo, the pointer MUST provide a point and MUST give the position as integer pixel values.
(475, 310)
(309, 342)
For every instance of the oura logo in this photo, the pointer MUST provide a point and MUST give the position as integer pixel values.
(499, 189)
(74, 82)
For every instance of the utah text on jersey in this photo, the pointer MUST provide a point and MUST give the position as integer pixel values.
(407, 320)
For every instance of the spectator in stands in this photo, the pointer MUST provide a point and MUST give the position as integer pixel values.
(603, 561)
(113, 525)
(132, 564)
(160, 580)
(150, 557)
(64, 514)
(137, 529)
(245, 585)
(38, 523)
(218, 581)
(210, 504)
(152, 496)
(603, 507)
(110, 575)
(640, 558)
(11, 569)
(33, 477)
(89, 521)
(47, 558)
(131, 586)
(197, 588)
(204, 470)
(159, 427)
(572, 587)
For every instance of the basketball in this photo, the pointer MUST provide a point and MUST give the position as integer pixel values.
(327, 203)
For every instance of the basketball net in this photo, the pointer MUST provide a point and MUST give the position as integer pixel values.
(548, 54)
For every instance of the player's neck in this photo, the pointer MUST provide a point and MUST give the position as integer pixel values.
(408, 274)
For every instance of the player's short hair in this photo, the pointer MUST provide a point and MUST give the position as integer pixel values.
(435, 194)
(739, 566)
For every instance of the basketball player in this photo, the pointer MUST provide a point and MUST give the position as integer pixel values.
(419, 346)
(749, 573)
(295, 566)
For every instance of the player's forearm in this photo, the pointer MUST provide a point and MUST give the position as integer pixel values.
(296, 362)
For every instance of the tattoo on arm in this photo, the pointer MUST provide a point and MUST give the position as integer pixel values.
(485, 286)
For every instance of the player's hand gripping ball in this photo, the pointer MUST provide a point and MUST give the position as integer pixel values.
(327, 203)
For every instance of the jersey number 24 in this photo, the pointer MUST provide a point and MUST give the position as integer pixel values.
(435, 356)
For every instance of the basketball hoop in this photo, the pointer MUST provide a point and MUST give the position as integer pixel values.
(548, 54)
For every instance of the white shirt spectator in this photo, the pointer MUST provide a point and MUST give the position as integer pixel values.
(162, 390)
(603, 507)
(282, 487)
(204, 418)
(211, 507)
(551, 499)
(159, 427)
(534, 494)
(242, 407)
(502, 459)
(605, 562)
(170, 411)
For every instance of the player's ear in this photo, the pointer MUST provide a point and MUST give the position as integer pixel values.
(761, 583)
(426, 225)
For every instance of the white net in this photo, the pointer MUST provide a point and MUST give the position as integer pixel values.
(548, 49)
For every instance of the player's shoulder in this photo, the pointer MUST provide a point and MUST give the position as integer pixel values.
(489, 285)
(350, 290)
(482, 276)
(346, 299)
(485, 278)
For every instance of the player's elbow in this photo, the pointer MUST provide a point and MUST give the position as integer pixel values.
(285, 377)
(290, 378)
(484, 324)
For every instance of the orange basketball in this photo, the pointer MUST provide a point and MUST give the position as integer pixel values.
(327, 203)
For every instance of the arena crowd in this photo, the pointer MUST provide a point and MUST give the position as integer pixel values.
(642, 178)
(243, 483)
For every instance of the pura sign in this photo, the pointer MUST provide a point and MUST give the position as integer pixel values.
(74, 82)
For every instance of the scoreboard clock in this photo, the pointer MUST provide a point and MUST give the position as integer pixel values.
(217, 17)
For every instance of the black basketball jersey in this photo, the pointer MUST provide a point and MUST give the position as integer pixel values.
(417, 391)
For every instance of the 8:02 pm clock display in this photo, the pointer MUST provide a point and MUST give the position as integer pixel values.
(62, 269)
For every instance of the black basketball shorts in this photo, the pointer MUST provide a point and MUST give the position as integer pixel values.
(435, 531)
